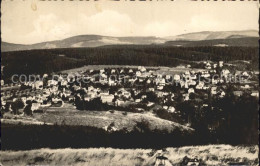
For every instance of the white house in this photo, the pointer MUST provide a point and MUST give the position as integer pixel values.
(171, 109)
(107, 98)
(176, 77)
(119, 102)
(138, 73)
(255, 94)
(222, 94)
(213, 90)
(113, 71)
(191, 90)
(221, 63)
(52, 82)
(35, 106)
(38, 85)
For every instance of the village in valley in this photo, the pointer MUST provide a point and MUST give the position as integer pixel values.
(129, 89)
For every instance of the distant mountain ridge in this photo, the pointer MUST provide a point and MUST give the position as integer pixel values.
(212, 35)
(249, 37)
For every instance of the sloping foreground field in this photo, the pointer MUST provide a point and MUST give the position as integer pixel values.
(209, 155)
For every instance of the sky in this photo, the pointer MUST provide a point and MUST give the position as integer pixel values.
(33, 21)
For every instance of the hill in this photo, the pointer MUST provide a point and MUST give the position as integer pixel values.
(83, 41)
(231, 41)
(52, 60)
(234, 38)
(211, 35)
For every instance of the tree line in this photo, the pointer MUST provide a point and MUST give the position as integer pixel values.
(52, 60)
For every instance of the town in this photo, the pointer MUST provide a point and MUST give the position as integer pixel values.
(127, 89)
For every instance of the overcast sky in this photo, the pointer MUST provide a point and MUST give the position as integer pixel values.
(32, 21)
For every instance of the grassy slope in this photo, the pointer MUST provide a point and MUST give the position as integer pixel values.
(210, 154)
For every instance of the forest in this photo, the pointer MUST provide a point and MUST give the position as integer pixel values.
(52, 60)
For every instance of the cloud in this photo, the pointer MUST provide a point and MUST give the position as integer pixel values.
(50, 27)
(47, 23)
(165, 28)
(203, 22)
(107, 22)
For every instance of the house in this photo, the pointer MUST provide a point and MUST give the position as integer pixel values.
(200, 85)
(225, 72)
(45, 76)
(107, 98)
(119, 102)
(137, 100)
(193, 77)
(113, 71)
(160, 87)
(245, 87)
(171, 109)
(122, 71)
(220, 63)
(255, 93)
(38, 85)
(213, 90)
(245, 74)
(64, 83)
(168, 77)
(176, 77)
(71, 98)
(165, 107)
(186, 97)
(191, 82)
(101, 71)
(142, 69)
(52, 82)
(124, 93)
(104, 92)
(238, 93)
(138, 73)
(205, 87)
(160, 81)
(35, 106)
(150, 104)
(213, 81)
(111, 82)
(56, 102)
(151, 89)
(191, 90)
(222, 94)
(208, 65)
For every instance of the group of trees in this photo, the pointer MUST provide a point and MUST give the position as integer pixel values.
(94, 105)
(47, 61)
(231, 119)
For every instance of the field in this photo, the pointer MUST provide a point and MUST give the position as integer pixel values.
(209, 154)
(68, 115)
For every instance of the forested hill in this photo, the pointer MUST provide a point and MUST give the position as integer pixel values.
(50, 60)
(205, 38)
(243, 42)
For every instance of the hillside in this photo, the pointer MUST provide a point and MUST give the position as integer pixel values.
(209, 154)
(232, 41)
(83, 41)
(52, 60)
(234, 38)
(211, 35)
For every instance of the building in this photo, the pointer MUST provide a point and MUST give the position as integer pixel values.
(107, 98)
